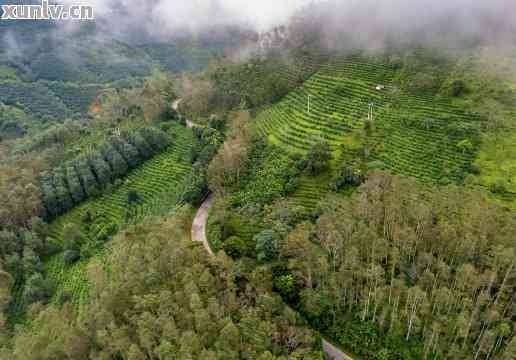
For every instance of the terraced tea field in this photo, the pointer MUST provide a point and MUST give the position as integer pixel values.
(310, 191)
(424, 137)
(158, 182)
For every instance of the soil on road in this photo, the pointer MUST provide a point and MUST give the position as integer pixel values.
(200, 223)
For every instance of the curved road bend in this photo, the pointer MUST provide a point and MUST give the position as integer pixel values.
(200, 223)
(175, 105)
(199, 234)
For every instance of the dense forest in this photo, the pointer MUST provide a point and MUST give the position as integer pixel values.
(352, 193)
(183, 306)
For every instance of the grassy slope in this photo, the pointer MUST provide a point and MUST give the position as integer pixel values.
(157, 181)
(402, 139)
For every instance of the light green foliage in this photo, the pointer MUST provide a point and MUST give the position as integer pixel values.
(400, 136)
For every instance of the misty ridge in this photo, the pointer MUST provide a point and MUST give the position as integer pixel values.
(246, 27)
(358, 23)
(361, 23)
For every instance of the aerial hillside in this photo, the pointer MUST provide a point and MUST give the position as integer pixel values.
(409, 134)
(211, 181)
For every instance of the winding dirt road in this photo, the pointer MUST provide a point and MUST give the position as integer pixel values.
(199, 234)
(175, 105)
(200, 224)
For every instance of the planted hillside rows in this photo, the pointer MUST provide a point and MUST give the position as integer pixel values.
(86, 176)
(404, 137)
(157, 176)
(36, 99)
(157, 181)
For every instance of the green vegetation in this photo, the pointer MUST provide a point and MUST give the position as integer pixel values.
(87, 176)
(36, 98)
(387, 278)
(182, 305)
(248, 85)
(379, 268)
(418, 136)
(83, 232)
(362, 194)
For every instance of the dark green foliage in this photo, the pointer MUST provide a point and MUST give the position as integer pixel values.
(37, 289)
(74, 185)
(71, 256)
(268, 244)
(49, 195)
(347, 176)
(141, 144)
(78, 98)
(156, 138)
(100, 169)
(87, 178)
(133, 197)
(319, 157)
(457, 88)
(200, 309)
(128, 152)
(119, 166)
(235, 247)
(13, 122)
(36, 98)
(424, 83)
(498, 187)
(287, 287)
(217, 123)
(196, 186)
(269, 174)
(88, 175)
(73, 239)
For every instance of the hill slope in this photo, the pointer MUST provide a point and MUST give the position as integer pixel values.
(421, 136)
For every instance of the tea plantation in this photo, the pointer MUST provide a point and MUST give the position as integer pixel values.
(422, 136)
(157, 184)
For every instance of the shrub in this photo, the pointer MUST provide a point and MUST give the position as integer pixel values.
(457, 88)
(498, 187)
(235, 247)
(286, 286)
(71, 256)
(133, 197)
(319, 157)
(348, 176)
(37, 289)
(267, 245)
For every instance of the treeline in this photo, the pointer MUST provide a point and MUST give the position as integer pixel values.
(163, 298)
(398, 271)
(87, 175)
(260, 81)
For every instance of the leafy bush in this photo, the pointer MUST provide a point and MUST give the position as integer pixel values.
(235, 247)
(267, 245)
(319, 157)
(498, 187)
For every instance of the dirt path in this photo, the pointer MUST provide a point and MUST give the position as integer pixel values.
(199, 226)
(175, 105)
(200, 223)
(199, 234)
(333, 352)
